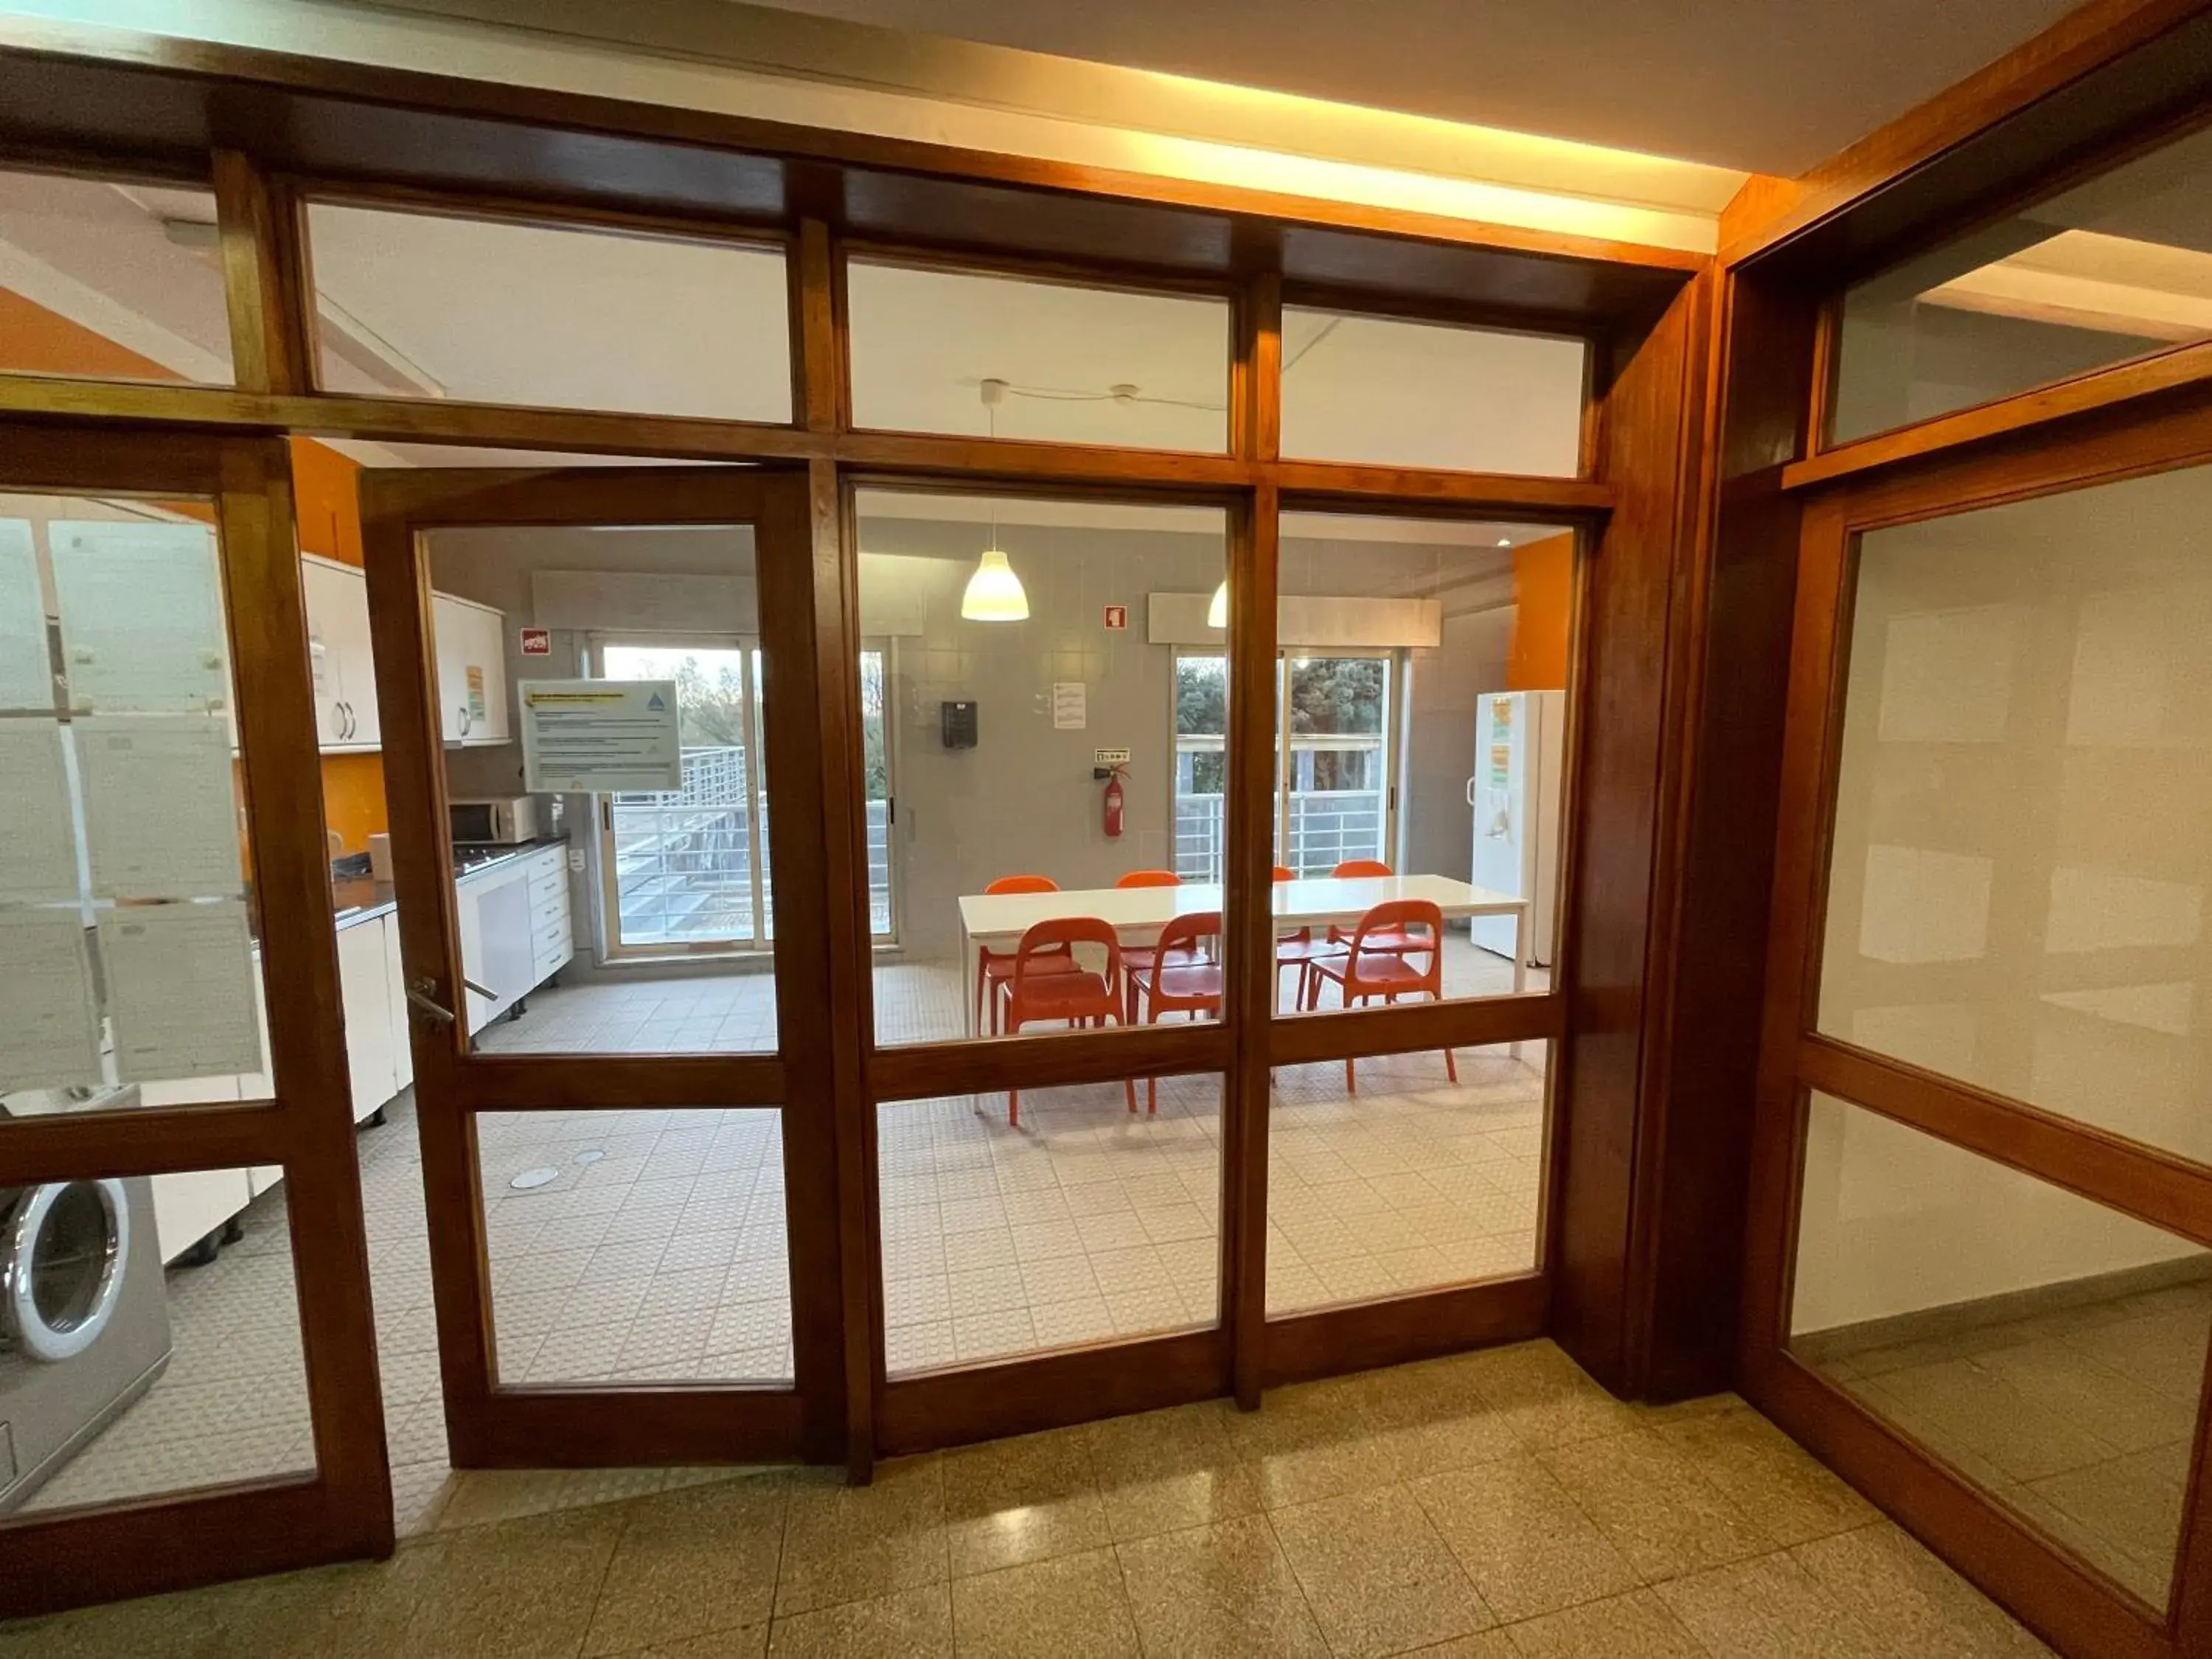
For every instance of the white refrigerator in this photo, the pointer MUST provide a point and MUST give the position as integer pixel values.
(1519, 741)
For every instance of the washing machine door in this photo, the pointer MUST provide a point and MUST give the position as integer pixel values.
(62, 1260)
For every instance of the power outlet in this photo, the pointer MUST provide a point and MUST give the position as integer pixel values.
(1113, 757)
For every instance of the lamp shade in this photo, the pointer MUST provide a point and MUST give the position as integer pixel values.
(1217, 614)
(994, 592)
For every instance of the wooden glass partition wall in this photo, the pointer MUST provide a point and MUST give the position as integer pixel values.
(1982, 1196)
(1609, 491)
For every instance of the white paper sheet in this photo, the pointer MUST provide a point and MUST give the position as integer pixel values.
(180, 991)
(38, 840)
(49, 1024)
(1071, 705)
(141, 607)
(159, 813)
(26, 676)
(599, 735)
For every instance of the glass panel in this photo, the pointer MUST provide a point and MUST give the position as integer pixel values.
(1201, 717)
(659, 324)
(123, 1380)
(637, 1246)
(2050, 1349)
(2017, 889)
(999, 725)
(604, 915)
(130, 966)
(1391, 1174)
(1422, 756)
(2100, 272)
(1066, 364)
(1428, 394)
(110, 279)
(1084, 1223)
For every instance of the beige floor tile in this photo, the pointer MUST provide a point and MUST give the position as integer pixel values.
(690, 1563)
(1775, 1482)
(518, 1589)
(1070, 1608)
(1432, 1418)
(1523, 1540)
(1768, 1608)
(482, 1496)
(1545, 1397)
(1314, 1441)
(845, 1543)
(192, 1627)
(1026, 1499)
(1377, 1575)
(1654, 1503)
(1908, 1599)
(916, 1624)
(1636, 1625)
(1218, 1590)
(1169, 1469)
(750, 1642)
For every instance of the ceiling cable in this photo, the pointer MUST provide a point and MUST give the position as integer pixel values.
(995, 389)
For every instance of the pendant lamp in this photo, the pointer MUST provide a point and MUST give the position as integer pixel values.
(994, 592)
(1217, 614)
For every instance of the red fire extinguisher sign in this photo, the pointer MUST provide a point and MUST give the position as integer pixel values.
(1113, 805)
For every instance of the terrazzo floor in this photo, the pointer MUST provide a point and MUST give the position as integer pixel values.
(1496, 1505)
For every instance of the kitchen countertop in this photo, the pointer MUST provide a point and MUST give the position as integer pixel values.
(363, 898)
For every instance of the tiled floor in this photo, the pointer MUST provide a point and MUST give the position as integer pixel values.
(2079, 1417)
(1493, 1506)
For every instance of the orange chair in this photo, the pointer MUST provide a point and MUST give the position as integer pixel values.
(1376, 964)
(1046, 982)
(1294, 950)
(1185, 978)
(1134, 956)
(992, 967)
(1363, 868)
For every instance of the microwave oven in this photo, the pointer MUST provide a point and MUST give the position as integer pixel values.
(506, 821)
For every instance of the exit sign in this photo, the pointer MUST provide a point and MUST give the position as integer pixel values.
(1117, 618)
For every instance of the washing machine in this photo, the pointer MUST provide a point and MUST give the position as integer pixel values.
(84, 1319)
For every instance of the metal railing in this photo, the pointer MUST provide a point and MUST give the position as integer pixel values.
(1327, 826)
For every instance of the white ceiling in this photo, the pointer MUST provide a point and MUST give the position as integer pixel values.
(1772, 86)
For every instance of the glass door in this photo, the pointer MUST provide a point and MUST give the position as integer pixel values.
(608, 1021)
(1335, 796)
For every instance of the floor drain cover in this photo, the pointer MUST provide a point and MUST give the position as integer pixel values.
(590, 1155)
(529, 1178)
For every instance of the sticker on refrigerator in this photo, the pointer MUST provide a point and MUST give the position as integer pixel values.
(476, 710)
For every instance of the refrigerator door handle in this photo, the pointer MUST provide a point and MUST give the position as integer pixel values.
(1470, 792)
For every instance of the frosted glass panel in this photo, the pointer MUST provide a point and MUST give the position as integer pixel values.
(2018, 888)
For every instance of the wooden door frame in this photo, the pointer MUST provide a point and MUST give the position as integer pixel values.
(494, 1424)
(2064, 1599)
(158, 1542)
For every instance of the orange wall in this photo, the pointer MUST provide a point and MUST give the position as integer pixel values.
(1543, 617)
(36, 341)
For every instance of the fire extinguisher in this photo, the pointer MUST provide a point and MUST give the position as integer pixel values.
(1114, 804)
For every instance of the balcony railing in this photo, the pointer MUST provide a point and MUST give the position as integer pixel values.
(1327, 827)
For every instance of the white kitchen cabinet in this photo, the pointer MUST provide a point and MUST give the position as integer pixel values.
(395, 990)
(364, 986)
(188, 1207)
(340, 654)
(472, 653)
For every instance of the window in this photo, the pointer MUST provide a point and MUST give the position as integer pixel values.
(1427, 394)
(433, 305)
(112, 280)
(959, 351)
(2106, 271)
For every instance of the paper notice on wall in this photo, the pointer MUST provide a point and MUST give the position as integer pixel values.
(604, 735)
(180, 991)
(26, 678)
(161, 816)
(49, 1023)
(38, 835)
(1071, 706)
(141, 608)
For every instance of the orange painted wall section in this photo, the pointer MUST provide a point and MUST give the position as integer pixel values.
(36, 340)
(1543, 617)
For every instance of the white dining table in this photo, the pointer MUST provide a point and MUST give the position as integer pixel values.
(996, 921)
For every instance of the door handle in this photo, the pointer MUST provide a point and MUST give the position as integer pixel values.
(1470, 792)
(420, 998)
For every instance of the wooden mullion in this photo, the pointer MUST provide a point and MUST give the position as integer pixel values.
(817, 359)
(932, 1409)
(1322, 486)
(923, 1071)
(146, 1140)
(264, 279)
(2161, 1187)
(1410, 1028)
(548, 1082)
